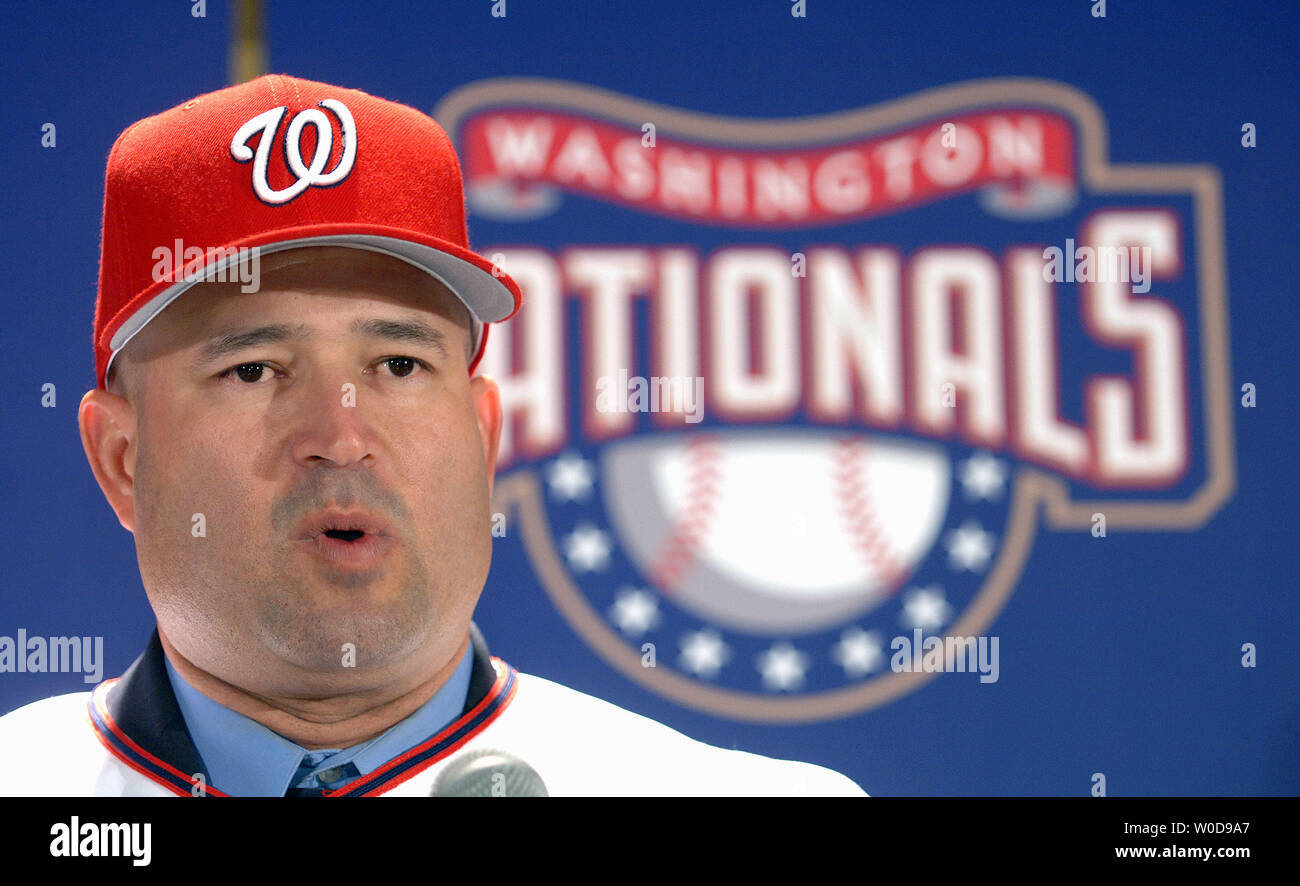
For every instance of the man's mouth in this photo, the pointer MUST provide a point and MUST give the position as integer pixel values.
(342, 525)
(345, 534)
(349, 549)
(345, 539)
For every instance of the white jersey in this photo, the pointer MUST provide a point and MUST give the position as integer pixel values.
(126, 738)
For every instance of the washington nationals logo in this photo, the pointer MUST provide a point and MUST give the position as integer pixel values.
(268, 124)
(878, 430)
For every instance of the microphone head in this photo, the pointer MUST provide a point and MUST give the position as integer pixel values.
(488, 773)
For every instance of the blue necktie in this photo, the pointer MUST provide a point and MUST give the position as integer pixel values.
(335, 777)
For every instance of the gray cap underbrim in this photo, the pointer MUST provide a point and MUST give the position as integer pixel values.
(486, 297)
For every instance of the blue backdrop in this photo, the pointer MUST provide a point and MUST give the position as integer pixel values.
(1119, 656)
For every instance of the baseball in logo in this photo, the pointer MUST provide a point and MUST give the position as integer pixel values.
(789, 401)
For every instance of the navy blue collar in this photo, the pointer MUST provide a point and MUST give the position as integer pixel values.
(141, 714)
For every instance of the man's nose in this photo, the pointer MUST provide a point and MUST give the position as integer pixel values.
(332, 422)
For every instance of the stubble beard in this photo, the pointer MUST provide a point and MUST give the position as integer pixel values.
(350, 634)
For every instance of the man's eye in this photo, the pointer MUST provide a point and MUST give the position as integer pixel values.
(402, 367)
(249, 373)
(252, 373)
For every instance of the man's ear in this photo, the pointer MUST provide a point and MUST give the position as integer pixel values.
(108, 434)
(487, 409)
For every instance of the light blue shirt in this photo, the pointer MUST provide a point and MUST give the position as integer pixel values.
(245, 759)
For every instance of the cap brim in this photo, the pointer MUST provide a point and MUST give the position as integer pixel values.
(484, 293)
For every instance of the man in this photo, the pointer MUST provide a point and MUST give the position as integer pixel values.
(288, 421)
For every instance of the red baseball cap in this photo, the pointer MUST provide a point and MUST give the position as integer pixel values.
(280, 163)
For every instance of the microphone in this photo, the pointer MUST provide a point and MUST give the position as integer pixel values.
(488, 773)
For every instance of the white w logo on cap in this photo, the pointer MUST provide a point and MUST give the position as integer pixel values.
(268, 123)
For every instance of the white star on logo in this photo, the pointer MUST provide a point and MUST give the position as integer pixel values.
(969, 547)
(925, 608)
(858, 652)
(634, 611)
(783, 666)
(704, 653)
(587, 548)
(982, 477)
(569, 477)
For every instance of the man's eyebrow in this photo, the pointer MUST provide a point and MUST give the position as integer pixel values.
(415, 332)
(230, 341)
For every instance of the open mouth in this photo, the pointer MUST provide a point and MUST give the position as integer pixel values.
(356, 540)
(350, 548)
(340, 525)
(345, 534)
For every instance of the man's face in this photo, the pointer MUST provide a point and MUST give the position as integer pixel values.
(366, 406)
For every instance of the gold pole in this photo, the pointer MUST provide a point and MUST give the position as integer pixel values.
(247, 57)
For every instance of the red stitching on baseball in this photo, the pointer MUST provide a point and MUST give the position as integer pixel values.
(677, 552)
(859, 515)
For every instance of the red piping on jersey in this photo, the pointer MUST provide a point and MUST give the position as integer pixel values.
(502, 676)
(98, 700)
